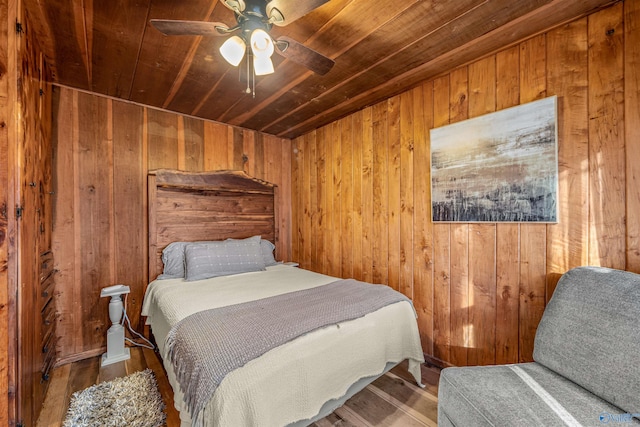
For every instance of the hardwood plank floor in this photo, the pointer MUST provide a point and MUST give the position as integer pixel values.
(392, 400)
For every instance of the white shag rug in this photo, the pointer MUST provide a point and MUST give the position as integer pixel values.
(131, 401)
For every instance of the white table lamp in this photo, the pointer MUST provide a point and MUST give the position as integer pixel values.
(116, 351)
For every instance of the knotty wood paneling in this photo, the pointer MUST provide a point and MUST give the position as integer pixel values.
(319, 235)
(423, 230)
(366, 204)
(459, 237)
(129, 184)
(507, 235)
(306, 200)
(607, 175)
(8, 264)
(93, 200)
(380, 215)
(28, 250)
(346, 196)
(333, 208)
(104, 149)
(632, 133)
(533, 85)
(32, 173)
(25, 216)
(407, 126)
(482, 237)
(394, 186)
(441, 244)
(566, 53)
(480, 289)
(313, 196)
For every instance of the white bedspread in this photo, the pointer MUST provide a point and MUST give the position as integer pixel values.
(293, 381)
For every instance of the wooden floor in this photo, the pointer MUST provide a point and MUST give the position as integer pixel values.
(392, 400)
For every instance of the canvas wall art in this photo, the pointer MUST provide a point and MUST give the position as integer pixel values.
(500, 167)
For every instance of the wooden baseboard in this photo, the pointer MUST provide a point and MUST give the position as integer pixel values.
(434, 361)
(80, 356)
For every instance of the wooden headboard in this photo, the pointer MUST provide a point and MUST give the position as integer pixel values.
(193, 206)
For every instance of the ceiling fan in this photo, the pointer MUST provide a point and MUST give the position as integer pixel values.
(254, 21)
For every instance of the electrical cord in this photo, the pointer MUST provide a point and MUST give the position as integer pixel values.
(125, 318)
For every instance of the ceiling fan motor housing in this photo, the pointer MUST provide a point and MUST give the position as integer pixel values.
(249, 23)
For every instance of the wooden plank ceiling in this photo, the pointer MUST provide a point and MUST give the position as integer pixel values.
(380, 48)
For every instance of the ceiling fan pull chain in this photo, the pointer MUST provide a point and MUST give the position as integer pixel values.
(254, 82)
(248, 90)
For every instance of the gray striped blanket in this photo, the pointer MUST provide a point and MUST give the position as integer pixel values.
(204, 347)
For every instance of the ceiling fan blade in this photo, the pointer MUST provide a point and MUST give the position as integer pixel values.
(284, 12)
(299, 53)
(191, 28)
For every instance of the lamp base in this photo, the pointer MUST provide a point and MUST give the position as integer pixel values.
(106, 360)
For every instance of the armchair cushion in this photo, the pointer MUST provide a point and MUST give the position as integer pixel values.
(526, 394)
(590, 333)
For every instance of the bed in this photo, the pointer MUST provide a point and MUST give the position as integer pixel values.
(300, 375)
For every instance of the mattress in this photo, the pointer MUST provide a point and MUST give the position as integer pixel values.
(293, 382)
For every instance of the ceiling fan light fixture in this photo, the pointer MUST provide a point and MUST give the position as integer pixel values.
(233, 50)
(253, 46)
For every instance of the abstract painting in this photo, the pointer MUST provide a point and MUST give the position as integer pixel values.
(499, 167)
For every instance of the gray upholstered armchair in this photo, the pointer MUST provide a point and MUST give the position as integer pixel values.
(586, 370)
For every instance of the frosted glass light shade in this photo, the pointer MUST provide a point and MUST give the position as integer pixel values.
(261, 43)
(262, 48)
(262, 66)
(233, 50)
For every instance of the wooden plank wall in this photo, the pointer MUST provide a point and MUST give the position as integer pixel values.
(103, 151)
(8, 265)
(361, 192)
(33, 195)
(25, 171)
